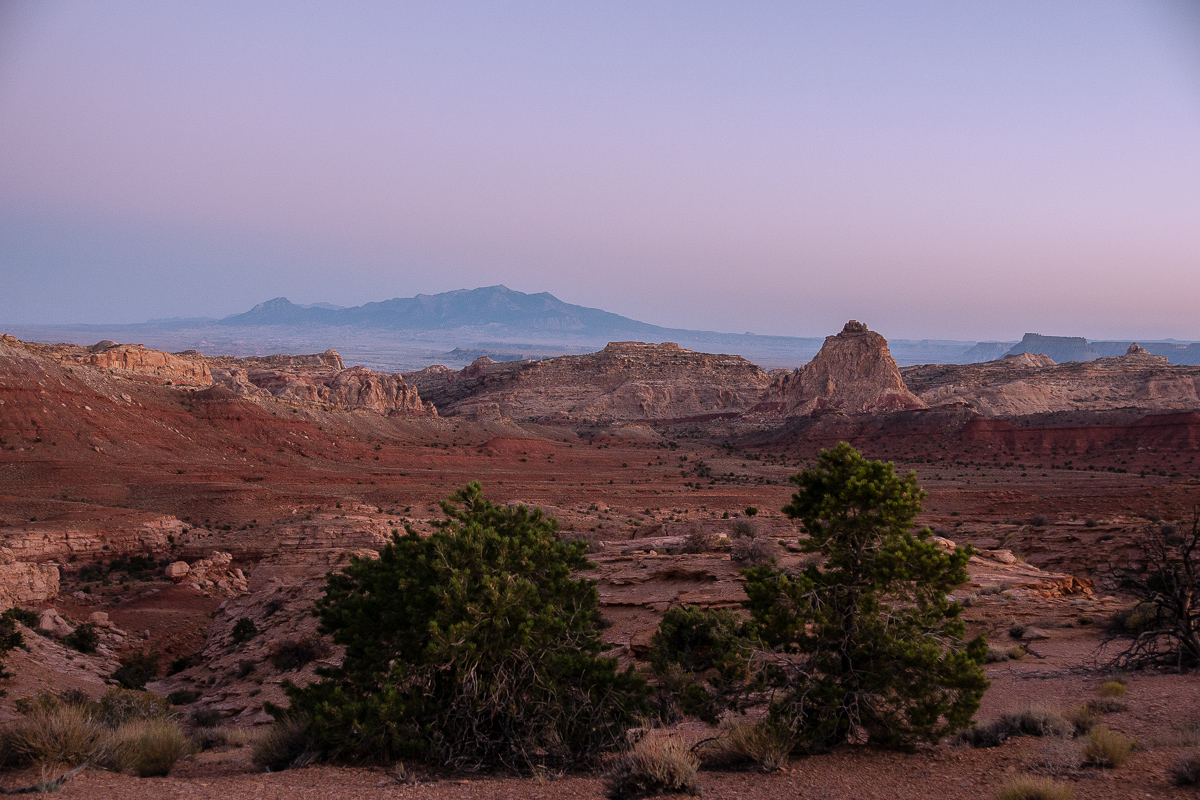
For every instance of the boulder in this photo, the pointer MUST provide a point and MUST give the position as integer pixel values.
(51, 623)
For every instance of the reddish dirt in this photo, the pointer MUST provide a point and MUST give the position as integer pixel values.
(225, 463)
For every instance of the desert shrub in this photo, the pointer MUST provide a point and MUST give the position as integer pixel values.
(703, 659)
(1090, 523)
(283, 745)
(474, 647)
(1033, 787)
(1107, 748)
(220, 736)
(1165, 624)
(179, 664)
(1060, 756)
(751, 511)
(25, 616)
(754, 552)
(294, 654)
(1106, 705)
(1032, 721)
(119, 706)
(1186, 770)
(148, 747)
(244, 630)
(1016, 630)
(995, 655)
(656, 765)
(743, 529)
(746, 742)
(991, 589)
(879, 648)
(54, 734)
(1039, 520)
(1112, 689)
(206, 717)
(183, 697)
(700, 540)
(136, 670)
(84, 638)
(10, 638)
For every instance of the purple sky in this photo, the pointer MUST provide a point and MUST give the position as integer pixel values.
(939, 169)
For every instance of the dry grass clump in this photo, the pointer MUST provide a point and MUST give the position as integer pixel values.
(1083, 718)
(282, 746)
(119, 706)
(1107, 748)
(148, 747)
(658, 764)
(746, 742)
(1059, 756)
(1112, 689)
(1186, 771)
(1185, 734)
(998, 654)
(1106, 705)
(1032, 787)
(59, 735)
(754, 552)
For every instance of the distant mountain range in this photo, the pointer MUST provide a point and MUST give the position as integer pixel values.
(407, 333)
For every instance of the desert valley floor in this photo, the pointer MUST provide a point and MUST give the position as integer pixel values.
(261, 476)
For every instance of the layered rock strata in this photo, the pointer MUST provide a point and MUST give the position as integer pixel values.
(854, 373)
(626, 381)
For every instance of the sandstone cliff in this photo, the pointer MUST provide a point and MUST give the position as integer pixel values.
(135, 359)
(321, 379)
(625, 381)
(1033, 384)
(854, 373)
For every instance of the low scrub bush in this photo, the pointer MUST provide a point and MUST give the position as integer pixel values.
(1112, 689)
(1060, 756)
(84, 638)
(10, 635)
(206, 717)
(754, 552)
(1106, 705)
(703, 660)
(244, 630)
(294, 654)
(183, 697)
(119, 706)
(1107, 748)
(743, 529)
(136, 670)
(656, 765)
(284, 745)
(1016, 630)
(1033, 787)
(1032, 721)
(1186, 771)
(700, 540)
(147, 747)
(220, 736)
(1082, 718)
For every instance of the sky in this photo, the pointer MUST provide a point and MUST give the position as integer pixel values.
(959, 170)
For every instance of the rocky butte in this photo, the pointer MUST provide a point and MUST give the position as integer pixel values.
(626, 381)
(854, 373)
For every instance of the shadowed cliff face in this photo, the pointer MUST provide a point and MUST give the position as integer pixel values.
(854, 373)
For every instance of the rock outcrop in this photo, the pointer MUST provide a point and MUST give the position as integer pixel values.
(135, 359)
(1024, 384)
(626, 381)
(321, 379)
(854, 373)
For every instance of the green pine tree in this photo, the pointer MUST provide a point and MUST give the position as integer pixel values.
(871, 647)
(474, 647)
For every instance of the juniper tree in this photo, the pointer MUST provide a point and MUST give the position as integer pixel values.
(475, 647)
(871, 647)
